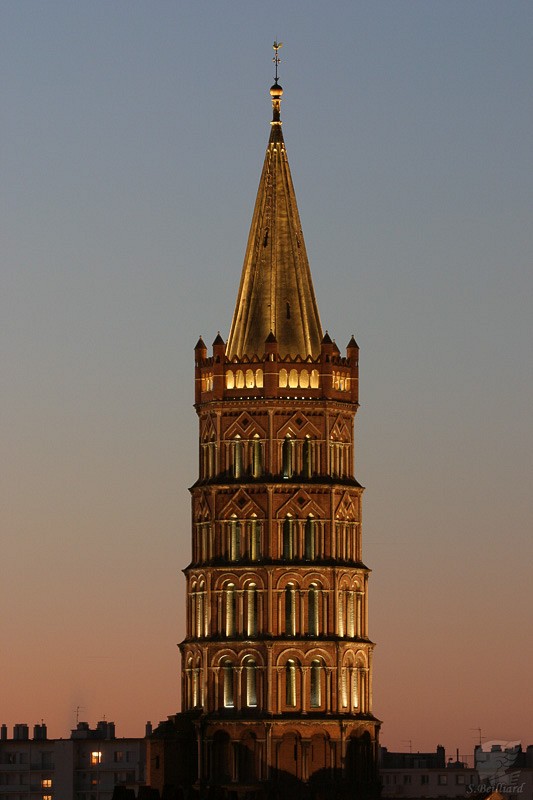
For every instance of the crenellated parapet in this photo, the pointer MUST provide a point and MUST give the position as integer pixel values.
(270, 375)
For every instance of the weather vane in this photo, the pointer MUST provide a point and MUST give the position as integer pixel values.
(277, 59)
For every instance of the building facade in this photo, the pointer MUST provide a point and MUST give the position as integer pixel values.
(86, 766)
(277, 659)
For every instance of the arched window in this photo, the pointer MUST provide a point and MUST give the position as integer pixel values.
(288, 538)
(259, 378)
(237, 457)
(250, 676)
(230, 379)
(344, 688)
(316, 684)
(196, 686)
(239, 379)
(307, 458)
(309, 539)
(287, 457)
(249, 379)
(283, 379)
(200, 611)
(290, 683)
(312, 610)
(235, 540)
(257, 457)
(314, 379)
(227, 678)
(304, 379)
(350, 617)
(251, 610)
(290, 610)
(255, 540)
(293, 379)
(211, 458)
(188, 682)
(230, 603)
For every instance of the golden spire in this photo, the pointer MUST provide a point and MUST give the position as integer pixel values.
(276, 291)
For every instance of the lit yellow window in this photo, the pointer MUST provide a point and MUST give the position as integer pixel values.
(96, 757)
(46, 783)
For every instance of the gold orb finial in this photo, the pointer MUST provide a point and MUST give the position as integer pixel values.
(276, 91)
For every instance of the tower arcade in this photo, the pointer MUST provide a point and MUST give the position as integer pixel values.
(277, 659)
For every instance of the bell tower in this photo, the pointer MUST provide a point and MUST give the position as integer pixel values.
(277, 659)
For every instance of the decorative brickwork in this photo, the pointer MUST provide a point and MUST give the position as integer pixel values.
(277, 660)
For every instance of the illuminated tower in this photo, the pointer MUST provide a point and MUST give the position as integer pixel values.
(277, 662)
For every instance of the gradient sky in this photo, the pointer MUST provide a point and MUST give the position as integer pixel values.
(132, 139)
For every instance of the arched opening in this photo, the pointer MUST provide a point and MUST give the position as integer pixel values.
(227, 685)
(293, 379)
(250, 379)
(246, 758)
(316, 684)
(307, 458)
(283, 379)
(288, 538)
(319, 753)
(309, 538)
(237, 457)
(221, 758)
(250, 680)
(257, 457)
(235, 540)
(251, 610)
(314, 379)
(230, 603)
(304, 379)
(259, 378)
(287, 457)
(289, 755)
(239, 379)
(290, 610)
(230, 379)
(290, 683)
(312, 610)
(255, 540)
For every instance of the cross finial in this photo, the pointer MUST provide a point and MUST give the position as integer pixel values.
(277, 59)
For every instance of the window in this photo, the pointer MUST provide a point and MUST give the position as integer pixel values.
(307, 458)
(290, 683)
(288, 538)
(312, 610)
(309, 537)
(344, 689)
(407, 779)
(46, 783)
(96, 757)
(316, 672)
(460, 780)
(287, 457)
(237, 457)
(227, 672)
(251, 683)
(424, 780)
(443, 780)
(255, 540)
(290, 610)
(47, 797)
(251, 610)
(235, 540)
(257, 457)
(230, 599)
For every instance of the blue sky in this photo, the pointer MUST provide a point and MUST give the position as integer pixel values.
(132, 139)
